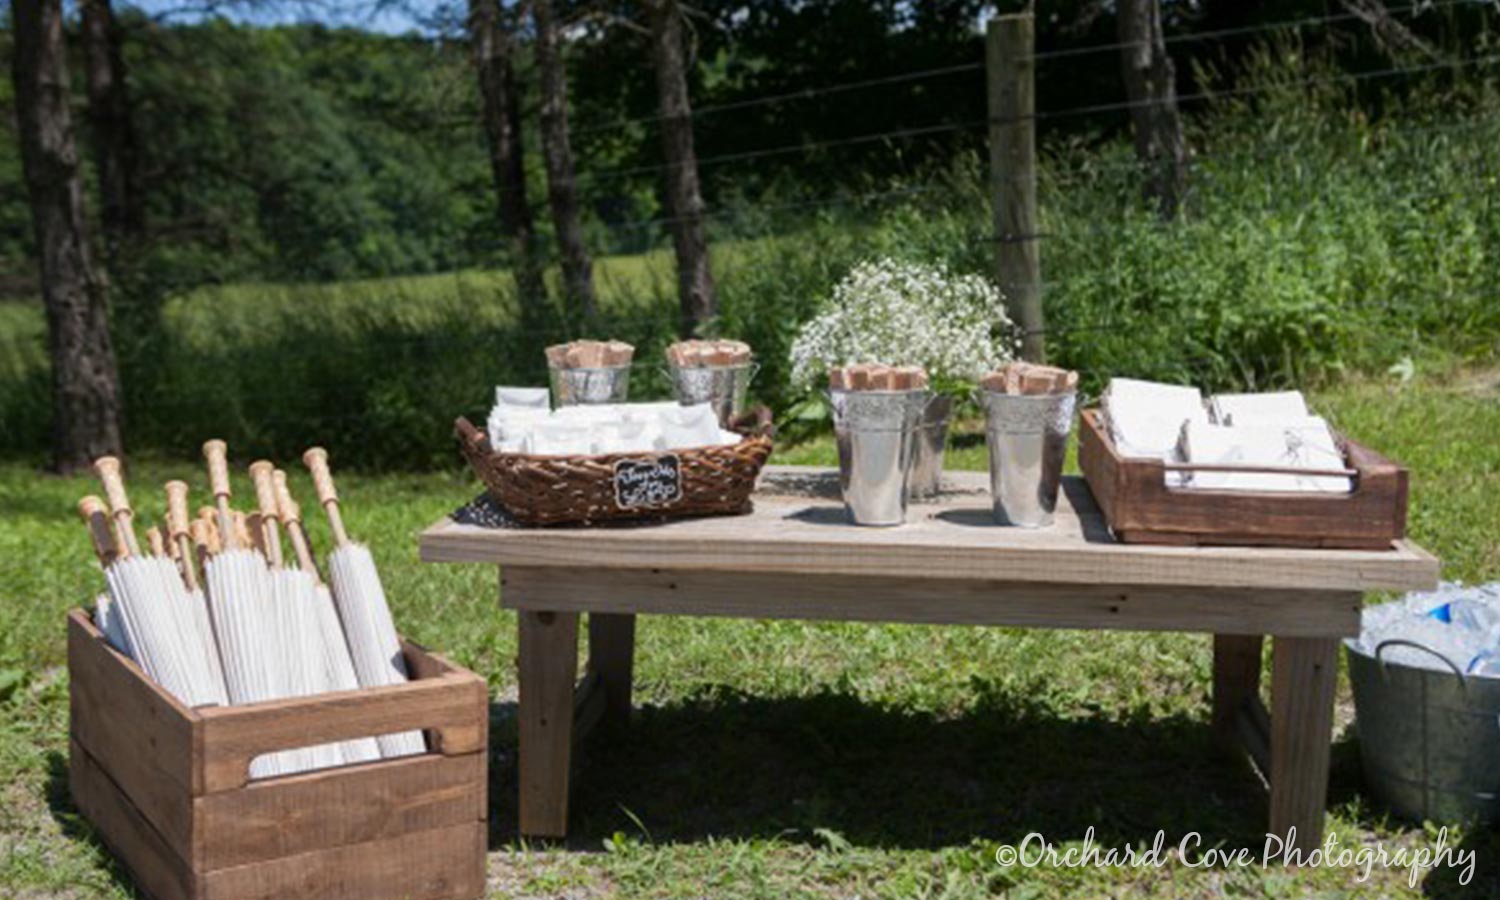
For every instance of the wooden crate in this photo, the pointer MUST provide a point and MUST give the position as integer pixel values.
(1143, 509)
(168, 787)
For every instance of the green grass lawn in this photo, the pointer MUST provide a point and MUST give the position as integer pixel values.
(790, 759)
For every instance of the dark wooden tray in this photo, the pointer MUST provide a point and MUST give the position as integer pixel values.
(1143, 509)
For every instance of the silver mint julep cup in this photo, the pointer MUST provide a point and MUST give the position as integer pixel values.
(1027, 436)
(875, 431)
(723, 387)
(574, 387)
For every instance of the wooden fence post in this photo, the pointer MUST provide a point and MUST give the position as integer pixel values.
(1010, 69)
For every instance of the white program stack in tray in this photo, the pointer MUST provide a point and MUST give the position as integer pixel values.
(1276, 429)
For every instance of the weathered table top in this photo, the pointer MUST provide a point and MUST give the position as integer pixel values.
(799, 527)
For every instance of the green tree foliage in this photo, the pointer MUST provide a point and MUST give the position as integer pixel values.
(299, 153)
(312, 153)
(17, 270)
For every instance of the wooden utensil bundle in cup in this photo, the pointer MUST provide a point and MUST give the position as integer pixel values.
(704, 354)
(877, 377)
(1031, 379)
(586, 354)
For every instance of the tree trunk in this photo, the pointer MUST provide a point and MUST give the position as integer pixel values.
(1151, 87)
(85, 379)
(121, 211)
(500, 97)
(696, 296)
(562, 184)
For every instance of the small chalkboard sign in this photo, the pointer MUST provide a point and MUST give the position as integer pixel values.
(648, 483)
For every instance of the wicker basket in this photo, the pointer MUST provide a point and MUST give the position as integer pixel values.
(571, 490)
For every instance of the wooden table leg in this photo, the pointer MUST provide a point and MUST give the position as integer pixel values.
(612, 657)
(548, 667)
(1303, 673)
(1236, 681)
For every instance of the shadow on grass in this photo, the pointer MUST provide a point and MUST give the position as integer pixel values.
(1348, 790)
(75, 827)
(725, 764)
(1484, 844)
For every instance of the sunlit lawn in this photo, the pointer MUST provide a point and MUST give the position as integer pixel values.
(790, 759)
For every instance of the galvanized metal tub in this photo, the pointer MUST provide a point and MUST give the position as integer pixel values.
(1429, 740)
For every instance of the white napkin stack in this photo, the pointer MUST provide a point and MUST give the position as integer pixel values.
(1305, 443)
(525, 397)
(1232, 409)
(521, 422)
(1146, 418)
(1170, 422)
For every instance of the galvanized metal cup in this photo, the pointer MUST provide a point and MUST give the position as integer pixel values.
(575, 387)
(1028, 440)
(722, 387)
(931, 436)
(875, 431)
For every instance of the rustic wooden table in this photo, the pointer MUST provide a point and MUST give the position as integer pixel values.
(797, 557)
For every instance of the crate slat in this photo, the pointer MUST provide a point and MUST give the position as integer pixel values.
(155, 866)
(129, 724)
(234, 735)
(438, 864)
(377, 800)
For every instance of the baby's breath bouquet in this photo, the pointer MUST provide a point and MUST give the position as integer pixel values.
(908, 314)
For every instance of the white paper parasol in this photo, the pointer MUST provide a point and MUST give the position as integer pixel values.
(242, 606)
(360, 597)
(338, 668)
(149, 599)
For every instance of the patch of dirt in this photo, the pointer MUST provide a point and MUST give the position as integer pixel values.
(1481, 384)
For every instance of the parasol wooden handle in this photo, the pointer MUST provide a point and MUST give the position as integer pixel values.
(96, 517)
(291, 516)
(316, 460)
(216, 452)
(265, 498)
(287, 508)
(177, 526)
(239, 531)
(155, 541)
(205, 538)
(108, 469)
(254, 533)
(265, 488)
(177, 508)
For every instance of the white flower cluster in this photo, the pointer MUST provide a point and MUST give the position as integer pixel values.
(899, 313)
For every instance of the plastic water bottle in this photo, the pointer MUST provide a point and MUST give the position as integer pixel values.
(1486, 664)
(1473, 615)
